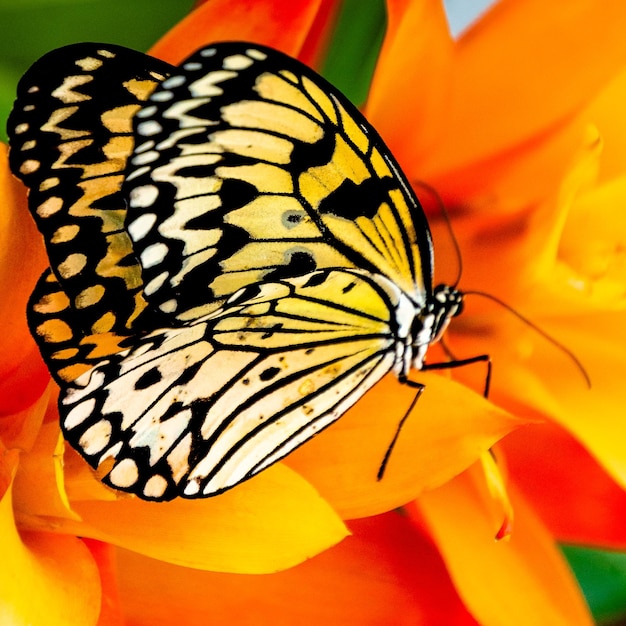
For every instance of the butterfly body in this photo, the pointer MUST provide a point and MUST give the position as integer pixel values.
(255, 264)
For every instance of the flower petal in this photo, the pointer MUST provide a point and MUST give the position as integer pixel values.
(522, 68)
(589, 510)
(523, 580)
(591, 250)
(39, 492)
(104, 555)
(20, 429)
(45, 578)
(22, 259)
(535, 377)
(606, 112)
(594, 416)
(385, 573)
(448, 430)
(268, 523)
(280, 24)
(417, 46)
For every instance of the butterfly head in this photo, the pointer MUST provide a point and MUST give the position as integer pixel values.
(446, 303)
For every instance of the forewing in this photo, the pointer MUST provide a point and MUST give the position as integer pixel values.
(195, 410)
(70, 133)
(251, 167)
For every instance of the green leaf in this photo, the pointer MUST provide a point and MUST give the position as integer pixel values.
(354, 47)
(602, 577)
(33, 27)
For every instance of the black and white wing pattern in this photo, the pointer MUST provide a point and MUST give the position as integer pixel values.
(236, 258)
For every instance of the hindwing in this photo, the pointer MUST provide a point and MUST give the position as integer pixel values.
(196, 409)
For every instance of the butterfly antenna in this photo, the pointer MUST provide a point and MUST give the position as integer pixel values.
(446, 216)
(538, 330)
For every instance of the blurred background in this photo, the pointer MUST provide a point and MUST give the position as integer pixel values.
(30, 28)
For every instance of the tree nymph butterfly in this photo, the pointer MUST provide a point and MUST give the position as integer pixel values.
(235, 259)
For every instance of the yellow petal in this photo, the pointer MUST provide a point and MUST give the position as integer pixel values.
(606, 112)
(266, 524)
(524, 580)
(591, 251)
(45, 578)
(448, 430)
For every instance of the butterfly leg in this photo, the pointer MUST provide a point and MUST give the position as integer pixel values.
(481, 358)
(419, 387)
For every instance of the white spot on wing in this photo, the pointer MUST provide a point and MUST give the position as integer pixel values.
(125, 473)
(169, 307)
(155, 486)
(145, 157)
(147, 111)
(237, 62)
(153, 255)
(256, 54)
(155, 284)
(173, 81)
(96, 437)
(143, 196)
(162, 96)
(141, 226)
(149, 128)
(79, 413)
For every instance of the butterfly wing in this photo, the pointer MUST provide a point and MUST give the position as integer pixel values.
(196, 409)
(71, 135)
(250, 180)
(250, 167)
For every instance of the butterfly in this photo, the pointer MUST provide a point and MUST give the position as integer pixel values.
(235, 259)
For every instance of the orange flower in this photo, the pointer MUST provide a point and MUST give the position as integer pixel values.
(501, 123)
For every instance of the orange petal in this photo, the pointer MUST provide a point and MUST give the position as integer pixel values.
(45, 578)
(449, 429)
(280, 24)
(583, 507)
(524, 580)
(266, 524)
(385, 573)
(524, 67)
(39, 492)
(409, 92)
(594, 416)
(20, 429)
(104, 556)
(536, 272)
(533, 377)
(22, 259)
